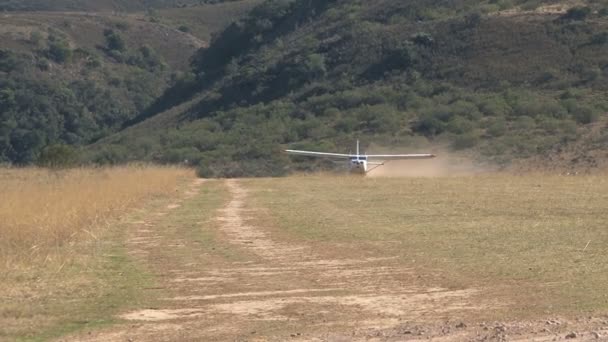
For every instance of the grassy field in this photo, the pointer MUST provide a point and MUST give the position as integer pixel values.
(43, 210)
(528, 246)
(63, 264)
(534, 242)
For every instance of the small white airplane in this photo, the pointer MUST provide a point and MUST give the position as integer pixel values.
(358, 163)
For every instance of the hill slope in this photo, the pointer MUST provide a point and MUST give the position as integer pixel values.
(74, 77)
(503, 80)
(98, 5)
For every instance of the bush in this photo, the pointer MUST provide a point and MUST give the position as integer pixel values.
(36, 38)
(497, 128)
(577, 13)
(58, 157)
(9, 61)
(423, 39)
(464, 141)
(59, 51)
(524, 123)
(584, 115)
(599, 38)
(428, 125)
(114, 41)
(460, 125)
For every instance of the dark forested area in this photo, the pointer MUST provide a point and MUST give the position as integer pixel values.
(59, 94)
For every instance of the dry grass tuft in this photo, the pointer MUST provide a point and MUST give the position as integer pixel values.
(41, 210)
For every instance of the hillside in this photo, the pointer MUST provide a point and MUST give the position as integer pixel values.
(502, 81)
(75, 77)
(100, 5)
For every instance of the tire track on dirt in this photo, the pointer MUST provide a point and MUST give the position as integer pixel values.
(239, 232)
(288, 291)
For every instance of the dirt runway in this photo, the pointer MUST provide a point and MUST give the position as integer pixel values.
(289, 290)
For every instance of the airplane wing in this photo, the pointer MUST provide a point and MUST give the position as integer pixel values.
(400, 156)
(319, 154)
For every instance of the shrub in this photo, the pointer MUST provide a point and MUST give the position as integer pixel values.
(114, 41)
(577, 13)
(59, 51)
(9, 61)
(58, 157)
(423, 39)
(428, 125)
(43, 64)
(36, 38)
(497, 128)
(460, 125)
(464, 141)
(315, 65)
(584, 114)
(600, 38)
(121, 25)
(472, 20)
(524, 123)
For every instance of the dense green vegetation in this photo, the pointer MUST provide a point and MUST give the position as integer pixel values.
(39, 105)
(74, 78)
(316, 74)
(498, 79)
(98, 5)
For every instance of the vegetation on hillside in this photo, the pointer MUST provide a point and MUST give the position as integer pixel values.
(506, 79)
(39, 105)
(74, 78)
(99, 5)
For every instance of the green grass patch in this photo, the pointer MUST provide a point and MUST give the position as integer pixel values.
(523, 238)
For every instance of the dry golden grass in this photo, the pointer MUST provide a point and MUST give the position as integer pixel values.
(41, 210)
(63, 241)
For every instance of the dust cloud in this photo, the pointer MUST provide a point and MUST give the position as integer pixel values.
(443, 165)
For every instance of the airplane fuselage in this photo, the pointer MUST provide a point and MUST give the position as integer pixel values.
(358, 165)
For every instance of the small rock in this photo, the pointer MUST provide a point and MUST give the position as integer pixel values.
(461, 325)
(595, 334)
(572, 335)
